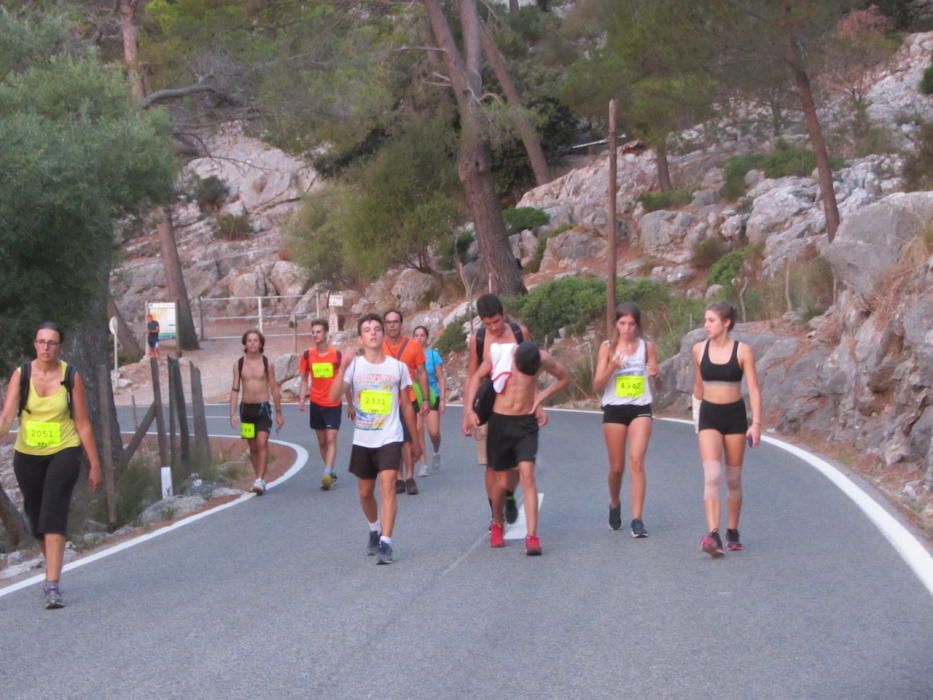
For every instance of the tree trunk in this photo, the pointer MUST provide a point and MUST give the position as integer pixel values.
(817, 143)
(664, 172)
(513, 5)
(187, 336)
(125, 335)
(472, 45)
(525, 129)
(475, 166)
(127, 11)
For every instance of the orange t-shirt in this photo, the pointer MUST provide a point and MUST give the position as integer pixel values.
(322, 370)
(409, 353)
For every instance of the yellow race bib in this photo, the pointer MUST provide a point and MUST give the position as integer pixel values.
(248, 430)
(630, 386)
(373, 401)
(322, 370)
(43, 434)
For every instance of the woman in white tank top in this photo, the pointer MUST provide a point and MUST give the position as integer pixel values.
(624, 370)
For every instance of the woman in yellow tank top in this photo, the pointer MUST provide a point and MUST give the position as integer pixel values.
(47, 457)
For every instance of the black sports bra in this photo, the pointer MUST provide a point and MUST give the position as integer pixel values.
(727, 372)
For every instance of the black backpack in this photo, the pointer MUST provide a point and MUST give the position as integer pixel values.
(25, 371)
(485, 394)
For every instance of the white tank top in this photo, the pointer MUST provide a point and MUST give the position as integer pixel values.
(629, 385)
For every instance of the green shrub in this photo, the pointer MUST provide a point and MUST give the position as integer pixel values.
(453, 339)
(521, 218)
(653, 201)
(233, 227)
(708, 251)
(785, 160)
(570, 302)
(735, 171)
(926, 83)
(209, 192)
(462, 243)
(726, 268)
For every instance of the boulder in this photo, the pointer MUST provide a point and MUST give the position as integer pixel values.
(286, 366)
(659, 230)
(773, 209)
(869, 243)
(289, 279)
(580, 242)
(414, 289)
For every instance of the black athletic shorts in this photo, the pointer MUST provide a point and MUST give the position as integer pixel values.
(726, 418)
(510, 440)
(324, 417)
(367, 462)
(624, 415)
(260, 414)
(46, 483)
(435, 404)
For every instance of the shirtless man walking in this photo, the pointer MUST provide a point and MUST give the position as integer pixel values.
(517, 414)
(254, 383)
(495, 328)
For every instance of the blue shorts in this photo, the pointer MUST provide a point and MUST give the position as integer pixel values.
(324, 417)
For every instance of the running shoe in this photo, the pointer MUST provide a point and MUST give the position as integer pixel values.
(53, 598)
(533, 546)
(712, 545)
(399, 486)
(411, 487)
(511, 509)
(496, 535)
(638, 528)
(436, 463)
(327, 481)
(259, 487)
(732, 541)
(424, 470)
(615, 517)
(385, 553)
(373, 547)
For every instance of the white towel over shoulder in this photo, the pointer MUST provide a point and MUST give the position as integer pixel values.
(502, 355)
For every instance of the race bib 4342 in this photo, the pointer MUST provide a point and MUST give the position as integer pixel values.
(630, 387)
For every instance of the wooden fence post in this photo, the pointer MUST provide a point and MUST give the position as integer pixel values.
(202, 444)
(159, 416)
(181, 414)
(172, 421)
(106, 456)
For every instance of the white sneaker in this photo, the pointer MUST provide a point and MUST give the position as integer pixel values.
(259, 487)
(436, 463)
(423, 470)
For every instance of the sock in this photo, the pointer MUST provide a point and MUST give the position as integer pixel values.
(374, 527)
(387, 540)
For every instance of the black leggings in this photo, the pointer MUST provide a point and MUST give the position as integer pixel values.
(46, 483)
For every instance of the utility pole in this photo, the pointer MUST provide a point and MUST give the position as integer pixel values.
(611, 232)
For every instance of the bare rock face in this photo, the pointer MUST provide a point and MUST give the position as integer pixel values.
(288, 278)
(896, 93)
(869, 243)
(414, 289)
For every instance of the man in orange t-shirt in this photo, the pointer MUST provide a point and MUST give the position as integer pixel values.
(318, 367)
(407, 351)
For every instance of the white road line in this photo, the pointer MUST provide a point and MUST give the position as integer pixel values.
(519, 529)
(301, 458)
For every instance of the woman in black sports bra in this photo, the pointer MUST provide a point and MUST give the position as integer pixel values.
(719, 364)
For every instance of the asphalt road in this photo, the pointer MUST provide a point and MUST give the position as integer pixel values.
(276, 597)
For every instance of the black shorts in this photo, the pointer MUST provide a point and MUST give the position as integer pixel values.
(624, 415)
(259, 414)
(367, 462)
(324, 417)
(510, 440)
(153, 341)
(46, 483)
(435, 404)
(725, 418)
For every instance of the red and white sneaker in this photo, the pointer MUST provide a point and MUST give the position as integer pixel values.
(533, 546)
(496, 535)
(712, 545)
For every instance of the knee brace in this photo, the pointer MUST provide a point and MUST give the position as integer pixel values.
(712, 479)
(734, 482)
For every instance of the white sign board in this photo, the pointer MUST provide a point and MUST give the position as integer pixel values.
(335, 300)
(166, 313)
